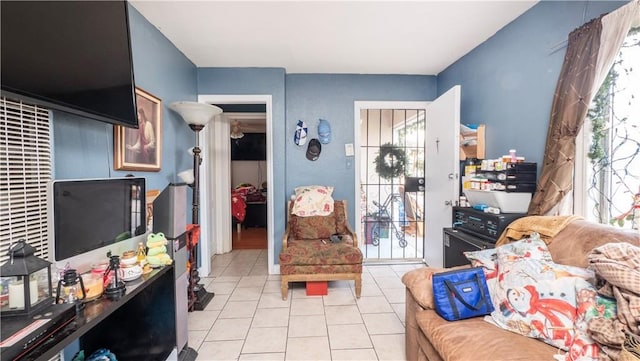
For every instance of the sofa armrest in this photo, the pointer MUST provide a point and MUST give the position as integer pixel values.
(418, 282)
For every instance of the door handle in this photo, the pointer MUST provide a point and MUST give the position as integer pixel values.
(452, 176)
(448, 203)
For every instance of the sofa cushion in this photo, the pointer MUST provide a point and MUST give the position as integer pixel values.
(460, 340)
(316, 252)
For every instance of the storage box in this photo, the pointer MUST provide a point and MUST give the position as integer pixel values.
(507, 202)
(317, 288)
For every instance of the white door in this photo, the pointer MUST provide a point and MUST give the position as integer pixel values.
(442, 171)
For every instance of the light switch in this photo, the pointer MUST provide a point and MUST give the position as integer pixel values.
(348, 150)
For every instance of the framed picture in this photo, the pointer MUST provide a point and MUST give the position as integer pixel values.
(140, 149)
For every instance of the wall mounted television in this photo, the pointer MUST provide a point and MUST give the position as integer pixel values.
(73, 56)
(94, 215)
(253, 146)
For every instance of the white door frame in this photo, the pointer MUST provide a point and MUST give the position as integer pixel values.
(358, 106)
(216, 224)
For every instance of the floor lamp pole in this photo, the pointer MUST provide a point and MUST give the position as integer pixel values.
(196, 115)
(202, 296)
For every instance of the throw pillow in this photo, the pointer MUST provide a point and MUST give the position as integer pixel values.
(314, 227)
(313, 201)
(589, 305)
(537, 298)
(531, 248)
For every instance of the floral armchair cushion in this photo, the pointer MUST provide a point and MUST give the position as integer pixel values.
(320, 227)
(314, 227)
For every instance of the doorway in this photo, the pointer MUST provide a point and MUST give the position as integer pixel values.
(390, 139)
(440, 172)
(215, 196)
(249, 187)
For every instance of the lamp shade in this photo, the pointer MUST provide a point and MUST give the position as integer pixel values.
(187, 176)
(195, 113)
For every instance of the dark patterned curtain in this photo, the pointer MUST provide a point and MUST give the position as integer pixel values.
(568, 111)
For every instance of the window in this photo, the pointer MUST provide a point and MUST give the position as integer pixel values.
(608, 186)
(25, 162)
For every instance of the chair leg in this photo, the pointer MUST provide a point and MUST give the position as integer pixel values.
(284, 287)
(358, 286)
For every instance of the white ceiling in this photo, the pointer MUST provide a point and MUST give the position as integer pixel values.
(361, 37)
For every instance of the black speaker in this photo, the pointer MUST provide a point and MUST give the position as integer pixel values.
(414, 184)
(170, 211)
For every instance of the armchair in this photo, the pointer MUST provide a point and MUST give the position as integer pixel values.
(308, 254)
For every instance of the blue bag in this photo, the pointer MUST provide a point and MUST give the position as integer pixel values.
(461, 294)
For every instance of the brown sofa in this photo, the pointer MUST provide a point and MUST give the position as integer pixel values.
(430, 337)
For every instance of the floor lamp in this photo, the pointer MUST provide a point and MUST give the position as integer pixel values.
(196, 115)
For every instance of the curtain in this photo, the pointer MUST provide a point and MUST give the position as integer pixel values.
(591, 50)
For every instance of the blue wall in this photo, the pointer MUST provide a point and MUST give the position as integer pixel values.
(309, 97)
(332, 97)
(83, 148)
(509, 80)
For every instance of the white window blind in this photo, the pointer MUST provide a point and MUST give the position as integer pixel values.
(25, 165)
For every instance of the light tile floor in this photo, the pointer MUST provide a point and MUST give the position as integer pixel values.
(248, 320)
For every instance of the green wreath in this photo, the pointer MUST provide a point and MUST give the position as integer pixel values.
(390, 161)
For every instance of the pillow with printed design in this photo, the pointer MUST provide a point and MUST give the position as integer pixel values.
(530, 248)
(537, 298)
(589, 305)
(313, 201)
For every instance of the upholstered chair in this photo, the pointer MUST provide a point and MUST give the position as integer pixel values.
(309, 253)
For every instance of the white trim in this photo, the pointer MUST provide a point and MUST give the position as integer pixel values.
(221, 189)
(357, 107)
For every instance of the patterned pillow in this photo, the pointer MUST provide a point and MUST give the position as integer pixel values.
(537, 298)
(314, 227)
(313, 201)
(589, 305)
(531, 248)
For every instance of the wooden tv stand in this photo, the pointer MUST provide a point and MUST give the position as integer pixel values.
(141, 325)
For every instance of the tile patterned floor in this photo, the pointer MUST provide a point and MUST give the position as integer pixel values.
(248, 320)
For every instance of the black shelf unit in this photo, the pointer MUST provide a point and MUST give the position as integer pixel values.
(140, 325)
(516, 177)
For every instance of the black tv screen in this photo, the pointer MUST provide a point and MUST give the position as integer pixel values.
(93, 213)
(73, 56)
(253, 146)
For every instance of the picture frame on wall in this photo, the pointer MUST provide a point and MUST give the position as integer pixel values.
(140, 149)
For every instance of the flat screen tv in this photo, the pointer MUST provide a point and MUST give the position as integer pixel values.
(73, 56)
(253, 146)
(91, 214)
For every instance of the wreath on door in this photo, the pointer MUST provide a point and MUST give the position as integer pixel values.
(390, 161)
